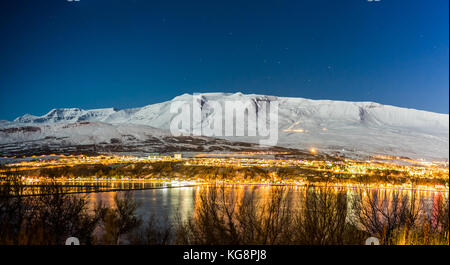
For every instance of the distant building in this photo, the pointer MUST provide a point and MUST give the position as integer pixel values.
(153, 156)
(177, 156)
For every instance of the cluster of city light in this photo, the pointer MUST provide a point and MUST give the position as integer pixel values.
(326, 168)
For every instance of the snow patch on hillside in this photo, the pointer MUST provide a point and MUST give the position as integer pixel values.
(331, 126)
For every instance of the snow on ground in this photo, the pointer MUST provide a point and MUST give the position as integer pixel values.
(331, 126)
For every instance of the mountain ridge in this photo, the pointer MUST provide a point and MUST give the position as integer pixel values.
(26, 118)
(332, 126)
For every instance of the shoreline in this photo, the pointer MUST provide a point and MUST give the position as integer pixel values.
(228, 184)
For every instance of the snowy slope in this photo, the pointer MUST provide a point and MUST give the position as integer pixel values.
(331, 126)
(81, 132)
(99, 137)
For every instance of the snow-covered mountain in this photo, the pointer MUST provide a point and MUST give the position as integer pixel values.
(330, 126)
(99, 137)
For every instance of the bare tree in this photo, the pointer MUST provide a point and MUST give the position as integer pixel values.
(266, 222)
(323, 219)
(381, 214)
(153, 233)
(120, 220)
(13, 208)
(221, 218)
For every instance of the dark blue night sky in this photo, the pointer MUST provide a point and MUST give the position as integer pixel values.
(95, 54)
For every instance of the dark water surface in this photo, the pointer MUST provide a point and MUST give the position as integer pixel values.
(179, 203)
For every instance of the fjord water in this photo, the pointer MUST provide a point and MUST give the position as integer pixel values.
(172, 204)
